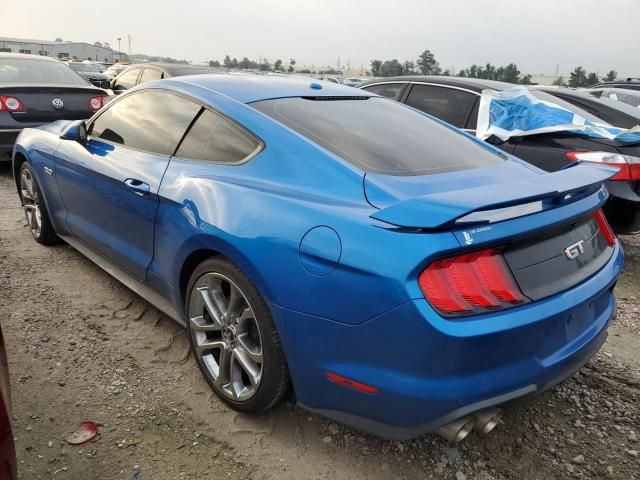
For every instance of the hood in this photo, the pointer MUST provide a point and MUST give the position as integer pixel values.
(56, 127)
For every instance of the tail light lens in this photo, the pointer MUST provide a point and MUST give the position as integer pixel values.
(605, 228)
(96, 103)
(11, 104)
(470, 283)
(629, 166)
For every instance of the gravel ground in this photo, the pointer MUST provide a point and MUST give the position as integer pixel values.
(83, 347)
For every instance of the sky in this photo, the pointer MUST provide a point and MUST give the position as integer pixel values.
(538, 35)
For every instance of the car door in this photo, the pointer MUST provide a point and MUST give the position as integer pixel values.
(128, 79)
(110, 185)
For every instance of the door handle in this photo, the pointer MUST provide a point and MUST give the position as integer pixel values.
(138, 187)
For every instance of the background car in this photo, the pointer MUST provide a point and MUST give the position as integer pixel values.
(115, 69)
(624, 95)
(36, 90)
(147, 72)
(373, 271)
(8, 463)
(92, 73)
(629, 83)
(353, 81)
(610, 111)
(456, 101)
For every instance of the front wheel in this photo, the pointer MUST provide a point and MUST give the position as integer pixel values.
(34, 209)
(233, 337)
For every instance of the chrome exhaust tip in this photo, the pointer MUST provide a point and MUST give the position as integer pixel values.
(457, 430)
(487, 420)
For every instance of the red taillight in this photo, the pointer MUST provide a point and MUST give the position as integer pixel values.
(346, 382)
(629, 166)
(11, 104)
(470, 283)
(96, 103)
(605, 228)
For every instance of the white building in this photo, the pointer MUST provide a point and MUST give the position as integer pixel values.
(61, 50)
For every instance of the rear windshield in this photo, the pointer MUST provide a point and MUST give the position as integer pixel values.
(380, 135)
(19, 70)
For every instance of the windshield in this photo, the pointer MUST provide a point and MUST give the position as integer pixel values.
(19, 70)
(85, 67)
(546, 97)
(380, 135)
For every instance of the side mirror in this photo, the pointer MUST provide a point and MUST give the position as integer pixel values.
(76, 131)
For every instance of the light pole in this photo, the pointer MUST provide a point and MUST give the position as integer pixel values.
(119, 52)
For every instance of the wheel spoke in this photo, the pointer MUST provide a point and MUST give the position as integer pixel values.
(224, 368)
(250, 367)
(199, 324)
(211, 305)
(235, 299)
(207, 345)
(243, 341)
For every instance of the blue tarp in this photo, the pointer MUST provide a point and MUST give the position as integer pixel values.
(516, 112)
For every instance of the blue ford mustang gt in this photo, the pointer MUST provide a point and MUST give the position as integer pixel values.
(401, 276)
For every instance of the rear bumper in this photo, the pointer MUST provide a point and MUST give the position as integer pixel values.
(430, 371)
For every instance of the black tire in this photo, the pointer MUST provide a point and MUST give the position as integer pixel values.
(274, 378)
(44, 233)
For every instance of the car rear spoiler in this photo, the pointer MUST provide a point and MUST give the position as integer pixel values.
(439, 210)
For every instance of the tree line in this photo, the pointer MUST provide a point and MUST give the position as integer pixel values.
(263, 64)
(426, 64)
(580, 78)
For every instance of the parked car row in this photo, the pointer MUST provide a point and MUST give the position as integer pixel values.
(456, 100)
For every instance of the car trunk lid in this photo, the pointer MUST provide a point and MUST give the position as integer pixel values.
(71, 103)
(545, 226)
(447, 200)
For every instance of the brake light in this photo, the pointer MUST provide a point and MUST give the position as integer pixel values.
(96, 103)
(11, 104)
(629, 166)
(605, 228)
(470, 283)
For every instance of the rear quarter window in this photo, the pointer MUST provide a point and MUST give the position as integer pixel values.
(381, 135)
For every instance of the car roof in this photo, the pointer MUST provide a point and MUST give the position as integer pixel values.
(475, 84)
(26, 56)
(246, 88)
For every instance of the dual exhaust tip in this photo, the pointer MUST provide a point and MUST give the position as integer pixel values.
(482, 422)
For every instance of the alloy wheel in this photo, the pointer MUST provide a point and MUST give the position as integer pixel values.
(226, 336)
(31, 202)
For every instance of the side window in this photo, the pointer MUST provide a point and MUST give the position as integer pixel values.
(389, 90)
(153, 121)
(472, 123)
(213, 138)
(128, 79)
(448, 104)
(150, 74)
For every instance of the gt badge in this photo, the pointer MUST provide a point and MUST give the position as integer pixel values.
(575, 250)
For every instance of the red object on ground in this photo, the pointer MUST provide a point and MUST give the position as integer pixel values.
(8, 463)
(86, 432)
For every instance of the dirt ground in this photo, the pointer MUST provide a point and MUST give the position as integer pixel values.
(83, 347)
